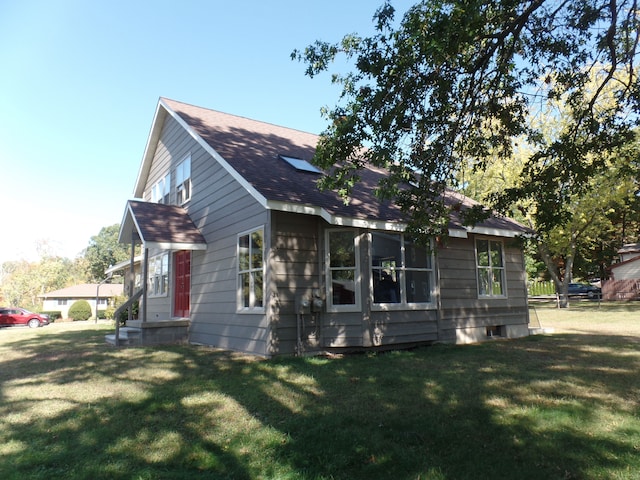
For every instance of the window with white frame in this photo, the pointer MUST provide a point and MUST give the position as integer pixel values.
(159, 275)
(402, 270)
(251, 270)
(161, 190)
(490, 267)
(183, 181)
(343, 272)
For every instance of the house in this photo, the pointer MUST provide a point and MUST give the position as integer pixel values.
(61, 300)
(625, 275)
(241, 251)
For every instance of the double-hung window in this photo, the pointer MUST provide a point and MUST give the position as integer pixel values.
(159, 275)
(343, 272)
(402, 270)
(251, 271)
(490, 267)
(161, 190)
(183, 181)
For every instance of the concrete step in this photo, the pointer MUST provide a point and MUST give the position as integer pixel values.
(127, 336)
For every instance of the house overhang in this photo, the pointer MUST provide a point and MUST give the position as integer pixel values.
(457, 231)
(159, 226)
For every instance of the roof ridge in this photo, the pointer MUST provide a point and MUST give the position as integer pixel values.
(243, 117)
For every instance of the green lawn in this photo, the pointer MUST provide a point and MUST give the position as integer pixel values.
(562, 406)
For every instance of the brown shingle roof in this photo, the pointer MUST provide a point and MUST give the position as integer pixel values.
(252, 148)
(156, 223)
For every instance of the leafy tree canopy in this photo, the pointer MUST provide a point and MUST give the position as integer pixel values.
(459, 81)
(104, 251)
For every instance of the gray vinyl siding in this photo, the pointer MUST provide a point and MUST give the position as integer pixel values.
(460, 306)
(294, 261)
(297, 265)
(221, 208)
(174, 145)
(171, 149)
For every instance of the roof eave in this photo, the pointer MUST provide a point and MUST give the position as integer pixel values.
(386, 225)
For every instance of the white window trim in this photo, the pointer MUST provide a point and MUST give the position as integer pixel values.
(401, 269)
(181, 182)
(357, 306)
(503, 269)
(161, 190)
(240, 308)
(150, 281)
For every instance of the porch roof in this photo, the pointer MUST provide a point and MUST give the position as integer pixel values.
(155, 225)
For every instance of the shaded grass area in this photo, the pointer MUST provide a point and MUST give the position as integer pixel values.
(558, 407)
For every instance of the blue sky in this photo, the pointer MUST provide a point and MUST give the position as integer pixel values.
(81, 79)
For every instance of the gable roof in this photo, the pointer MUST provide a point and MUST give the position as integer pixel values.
(251, 152)
(160, 226)
(86, 290)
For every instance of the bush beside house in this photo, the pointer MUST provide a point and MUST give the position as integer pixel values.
(80, 310)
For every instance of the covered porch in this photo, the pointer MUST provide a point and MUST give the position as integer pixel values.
(159, 228)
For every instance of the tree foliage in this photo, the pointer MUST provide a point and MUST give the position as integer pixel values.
(104, 251)
(455, 83)
(22, 282)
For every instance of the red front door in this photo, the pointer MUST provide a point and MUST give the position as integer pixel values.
(182, 283)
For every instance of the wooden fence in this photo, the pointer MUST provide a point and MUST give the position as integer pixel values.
(541, 288)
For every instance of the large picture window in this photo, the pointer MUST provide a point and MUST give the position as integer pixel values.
(159, 275)
(490, 267)
(343, 282)
(251, 270)
(402, 271)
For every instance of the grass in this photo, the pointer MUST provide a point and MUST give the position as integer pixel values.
(562, 406)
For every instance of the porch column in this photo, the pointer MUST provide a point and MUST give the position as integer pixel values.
(132, 274)
(145, 275)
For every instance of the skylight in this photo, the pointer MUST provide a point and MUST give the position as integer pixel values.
(300, 164)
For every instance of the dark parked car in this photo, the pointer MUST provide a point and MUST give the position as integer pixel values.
(584, 290)
(10, 316)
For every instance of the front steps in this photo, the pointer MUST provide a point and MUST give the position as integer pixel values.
(129, 336)
(157, 332)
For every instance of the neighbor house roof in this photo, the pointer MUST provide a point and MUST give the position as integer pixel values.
(86, 290)
(629, 248)
(251, 151)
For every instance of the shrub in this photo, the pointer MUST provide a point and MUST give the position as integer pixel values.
(80, 310)
(124, 315)
(53, 315)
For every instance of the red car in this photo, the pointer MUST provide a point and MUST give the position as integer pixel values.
(19, 316)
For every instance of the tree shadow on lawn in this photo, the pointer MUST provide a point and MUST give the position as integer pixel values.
(528, 409)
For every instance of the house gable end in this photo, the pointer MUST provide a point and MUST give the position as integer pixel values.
(163, 111)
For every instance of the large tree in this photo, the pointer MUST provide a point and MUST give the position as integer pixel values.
(594, 206)
(455, 82)
(104, 251)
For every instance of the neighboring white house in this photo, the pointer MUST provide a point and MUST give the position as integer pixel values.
(629, 266)
(61, 300)
(625, 275)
